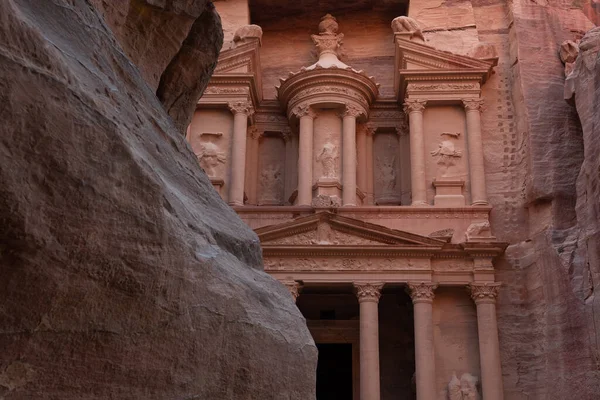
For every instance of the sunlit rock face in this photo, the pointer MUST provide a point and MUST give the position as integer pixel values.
(122, 273)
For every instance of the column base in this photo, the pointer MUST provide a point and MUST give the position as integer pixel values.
(419, 204)
(480, 203)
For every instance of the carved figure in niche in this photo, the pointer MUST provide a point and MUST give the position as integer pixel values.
(463, 389)
(210, 157)
(446, 154)
(328, 159)
(271, 182)
(387, 176)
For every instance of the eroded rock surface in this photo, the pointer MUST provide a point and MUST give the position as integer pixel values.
(173, 43)
(122, 273)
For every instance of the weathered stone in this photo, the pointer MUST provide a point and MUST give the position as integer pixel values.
(122, 273)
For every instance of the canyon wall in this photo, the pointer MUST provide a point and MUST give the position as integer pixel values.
(122, 272)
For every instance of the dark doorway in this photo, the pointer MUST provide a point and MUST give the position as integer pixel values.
(334, 371)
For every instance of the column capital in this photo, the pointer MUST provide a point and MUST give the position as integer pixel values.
(368, 291)
(243, 107)
(422, 292)
(350, 111)
(370, 129)
(304, 110)
(473, 104)
(414, 105)
(484, 292)
(294, 287)
(254, 133)
(286, 134)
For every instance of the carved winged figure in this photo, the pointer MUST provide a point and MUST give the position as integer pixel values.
(210, 157)
(463, 389)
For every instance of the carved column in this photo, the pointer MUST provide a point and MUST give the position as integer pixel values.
(422, 297)
(370, 181)
(241, 111)
(476, 169)
(361, 153)
(484, 295)
(414, 109)
(349, 155)
(294, 288)
(252, 160)
(368, 298)
(305, 154)
(290, 160)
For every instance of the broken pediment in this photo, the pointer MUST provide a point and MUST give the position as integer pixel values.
(238, 72)
(328, 229)
(428, 69)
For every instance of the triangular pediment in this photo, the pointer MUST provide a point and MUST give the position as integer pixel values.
(328, 229)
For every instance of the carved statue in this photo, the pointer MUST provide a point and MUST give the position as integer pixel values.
(446, 154)
(408, 25)
(328, 159)
(209, 158)
(387, 174)
(478, 230)
(463, 389)
(248, 32)
(271, 182)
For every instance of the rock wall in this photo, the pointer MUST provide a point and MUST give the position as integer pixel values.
(122, 273)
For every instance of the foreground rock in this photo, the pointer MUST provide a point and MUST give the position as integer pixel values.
(122, 273)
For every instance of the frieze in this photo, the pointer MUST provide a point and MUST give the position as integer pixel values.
(442, 87)
(329, 89)
(315, 264)
(226, 90)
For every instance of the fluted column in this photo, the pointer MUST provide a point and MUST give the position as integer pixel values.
(422, 295)
(349, 155)
(370, 178)
(305, 154)
(415, 109)
(368, 298)
(361, 153)
(484, 295)
(241, 111)
(475, 144)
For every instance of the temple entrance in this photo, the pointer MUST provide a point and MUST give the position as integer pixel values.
(334, 371)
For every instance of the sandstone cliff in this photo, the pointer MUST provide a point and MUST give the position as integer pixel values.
(122, 273)
(550, 340)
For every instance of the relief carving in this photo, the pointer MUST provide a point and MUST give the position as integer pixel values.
(387, 176)
(271, 181)
(478, 230)
(446, 155)
(463, 389)
(324, 201)
(329, 159)
(210, 157)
